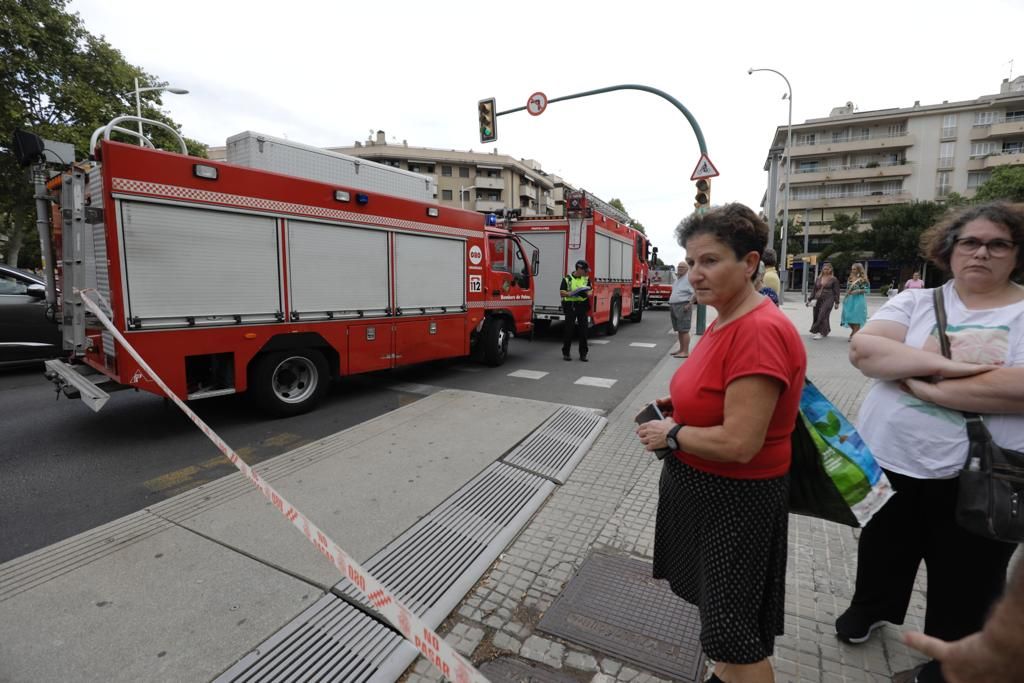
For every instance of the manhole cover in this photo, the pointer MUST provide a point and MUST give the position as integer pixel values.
(613, 605)
(509, 670)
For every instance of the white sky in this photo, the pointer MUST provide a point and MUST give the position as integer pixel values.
(326, 73)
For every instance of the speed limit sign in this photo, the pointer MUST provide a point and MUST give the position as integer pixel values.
(537, 103)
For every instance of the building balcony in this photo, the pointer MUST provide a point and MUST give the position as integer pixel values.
(528, 191)
(845, 201)
(1008, 127)
(488, 205)
(1013, 158)
(854, 144)
(488, 183)
(859, 172)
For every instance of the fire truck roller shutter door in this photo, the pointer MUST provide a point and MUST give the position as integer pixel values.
(601, 257)
(336, 268)
(552, 267)
(430, 273)
(181, 262)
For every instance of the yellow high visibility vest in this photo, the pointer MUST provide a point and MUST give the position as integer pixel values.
(576, 283)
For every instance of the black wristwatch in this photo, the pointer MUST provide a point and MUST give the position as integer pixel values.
(671, 437)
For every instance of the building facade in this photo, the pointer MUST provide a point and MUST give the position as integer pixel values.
(859, 162)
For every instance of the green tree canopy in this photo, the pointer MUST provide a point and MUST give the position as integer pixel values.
(896, 233)
(847, 243)
(61, 82)
(636, 225)
(1007, 182)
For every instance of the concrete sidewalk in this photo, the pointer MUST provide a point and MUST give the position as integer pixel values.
(609, 503)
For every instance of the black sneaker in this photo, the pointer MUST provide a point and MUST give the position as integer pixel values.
(566, 356)
(584, 359)
(854, 627)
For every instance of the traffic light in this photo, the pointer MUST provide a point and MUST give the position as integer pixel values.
(488, 120)
(703, 198)
(789, 262)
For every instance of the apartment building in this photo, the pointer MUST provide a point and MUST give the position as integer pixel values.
(479, 181)
(859, 162)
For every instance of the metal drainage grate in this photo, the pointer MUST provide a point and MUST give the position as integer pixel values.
(430, 567)
(554, 448)
(614, 606)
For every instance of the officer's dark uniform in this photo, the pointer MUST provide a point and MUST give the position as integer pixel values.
(576, 309)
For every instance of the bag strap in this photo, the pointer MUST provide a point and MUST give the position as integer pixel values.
(976, 429)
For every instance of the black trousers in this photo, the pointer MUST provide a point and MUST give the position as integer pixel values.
(966, 573)
(575, 319)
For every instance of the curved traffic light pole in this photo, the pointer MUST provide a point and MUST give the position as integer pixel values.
(631, 86)
(701, 309)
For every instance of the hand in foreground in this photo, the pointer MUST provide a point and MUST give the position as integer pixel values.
(970, 660)
(652, 434)
(664, 405)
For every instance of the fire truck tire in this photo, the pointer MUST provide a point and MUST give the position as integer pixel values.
(638, 311)
(614, 317)
(286, 383)
(495, 342)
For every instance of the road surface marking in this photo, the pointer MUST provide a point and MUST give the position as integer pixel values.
(527, 374)
(171, 479)
(598, 341)
(596, 382)
(643, 345)
(413, 388)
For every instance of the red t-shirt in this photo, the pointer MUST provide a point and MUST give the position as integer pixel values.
(761, 342)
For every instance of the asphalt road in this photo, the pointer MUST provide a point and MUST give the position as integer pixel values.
(65, 469)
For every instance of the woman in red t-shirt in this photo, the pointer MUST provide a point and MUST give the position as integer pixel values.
(720, 537)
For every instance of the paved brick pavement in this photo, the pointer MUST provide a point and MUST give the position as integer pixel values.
(610, 501)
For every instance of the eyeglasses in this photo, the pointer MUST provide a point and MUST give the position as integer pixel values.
(996, 248)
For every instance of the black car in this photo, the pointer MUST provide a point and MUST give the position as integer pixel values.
(27, 328)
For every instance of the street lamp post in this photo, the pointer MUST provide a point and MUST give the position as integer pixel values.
(138, 101)
(789, 173)
(462, 195)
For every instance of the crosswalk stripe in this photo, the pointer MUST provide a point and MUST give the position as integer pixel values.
(527, 374)
(601, 382)
(598, 341)
(643, 345)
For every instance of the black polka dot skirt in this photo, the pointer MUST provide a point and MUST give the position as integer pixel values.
(721, 544)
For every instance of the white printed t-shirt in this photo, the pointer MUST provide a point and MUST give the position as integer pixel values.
(923, 440)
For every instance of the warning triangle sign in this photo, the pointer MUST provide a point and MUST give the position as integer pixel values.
(705, 169)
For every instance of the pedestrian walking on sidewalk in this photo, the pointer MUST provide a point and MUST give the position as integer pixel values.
(771, 274)
(680, 304)
(855, 306)
(575, 293)
(720, 535)
(915, 282)
(825, 297)
(763, 289)
(917, 433)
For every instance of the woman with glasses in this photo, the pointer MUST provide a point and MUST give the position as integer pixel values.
(912, 422)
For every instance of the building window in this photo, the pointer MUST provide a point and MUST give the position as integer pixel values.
(463, 172)
(984, 118)
(446, 194)
(806, 166)
(861, 134)
(982, 149)
(942, 186)
(446, 171)
(946, 150)
(892, 187)
(897, 129)
(949, 126)
(976, 179)
(1012, 116)
(840, 135)
(1013, 147)
(804, 139)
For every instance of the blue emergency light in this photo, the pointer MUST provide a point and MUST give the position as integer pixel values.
(492, 219)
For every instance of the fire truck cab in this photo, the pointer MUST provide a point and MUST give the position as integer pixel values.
(231, 279)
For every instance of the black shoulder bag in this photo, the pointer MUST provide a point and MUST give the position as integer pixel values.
(990, 501)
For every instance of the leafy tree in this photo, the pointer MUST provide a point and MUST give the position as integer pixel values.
(1007, 182)
(636, 225)
(61, 82)
(847, 243)
(896, 233)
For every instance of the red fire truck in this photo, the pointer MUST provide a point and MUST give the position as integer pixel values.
(230, 279)
(662, 279)
(600, 234)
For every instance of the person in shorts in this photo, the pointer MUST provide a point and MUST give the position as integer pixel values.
(680, 305)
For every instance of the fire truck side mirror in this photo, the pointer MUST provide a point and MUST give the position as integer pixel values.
(535, 262)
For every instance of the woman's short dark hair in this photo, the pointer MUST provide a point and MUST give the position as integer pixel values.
(937, 241)
(734, 224)
(769, 258)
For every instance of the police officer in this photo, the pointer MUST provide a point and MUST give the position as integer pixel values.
(576, 306)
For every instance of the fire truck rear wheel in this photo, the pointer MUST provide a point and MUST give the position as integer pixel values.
(614, 317)
(286, 383)
(495, 341)
(638, 311)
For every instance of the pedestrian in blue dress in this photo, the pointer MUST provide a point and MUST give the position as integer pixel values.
(855, 307)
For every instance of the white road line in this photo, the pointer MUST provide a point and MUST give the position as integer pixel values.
(412, 388)
(596, 382)
(643, 345)
(598, 341)
(527, 374)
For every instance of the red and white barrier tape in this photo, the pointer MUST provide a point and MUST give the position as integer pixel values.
(440, 654)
